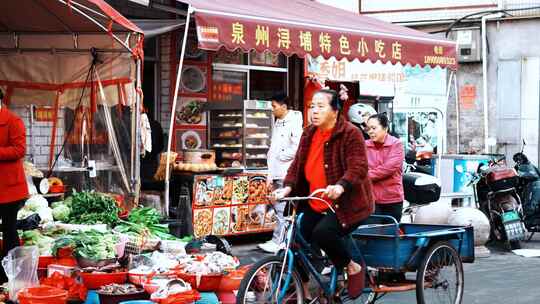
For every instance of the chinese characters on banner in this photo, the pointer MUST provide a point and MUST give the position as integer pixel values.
(215, 31)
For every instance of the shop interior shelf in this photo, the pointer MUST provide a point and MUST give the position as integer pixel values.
(230, 116)
(226, 137)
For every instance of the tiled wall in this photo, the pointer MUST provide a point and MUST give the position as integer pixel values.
(41, 135)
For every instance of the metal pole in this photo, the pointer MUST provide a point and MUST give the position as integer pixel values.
(136, 181)
(484, 78)
(457, 113)
(173, 110)
(31, 135)
(96, 23)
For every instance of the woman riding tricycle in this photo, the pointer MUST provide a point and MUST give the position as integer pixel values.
(331, 164)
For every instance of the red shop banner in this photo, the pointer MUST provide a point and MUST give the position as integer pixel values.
(216, 31)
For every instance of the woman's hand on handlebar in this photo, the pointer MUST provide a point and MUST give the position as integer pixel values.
(333, 192)
(280, 193)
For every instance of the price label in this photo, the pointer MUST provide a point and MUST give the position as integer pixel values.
(261, 105)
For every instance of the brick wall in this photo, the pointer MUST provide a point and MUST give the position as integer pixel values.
(471, 120)
(41, 135)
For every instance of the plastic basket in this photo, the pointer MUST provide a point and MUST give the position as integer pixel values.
(135, 245)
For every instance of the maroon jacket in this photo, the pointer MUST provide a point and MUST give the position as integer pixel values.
(13, 185)
(345, 163)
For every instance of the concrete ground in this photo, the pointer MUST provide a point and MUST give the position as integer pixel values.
(501, 278)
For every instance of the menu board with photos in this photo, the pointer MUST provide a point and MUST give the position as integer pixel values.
(229, 205)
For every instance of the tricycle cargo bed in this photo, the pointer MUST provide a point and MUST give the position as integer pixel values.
(402, 247)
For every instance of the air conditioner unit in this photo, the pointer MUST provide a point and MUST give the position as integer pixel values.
(469, 44)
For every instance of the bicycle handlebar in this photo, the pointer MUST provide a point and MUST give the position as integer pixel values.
(309, 197)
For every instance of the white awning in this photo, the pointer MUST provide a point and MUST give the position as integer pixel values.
(156, 27)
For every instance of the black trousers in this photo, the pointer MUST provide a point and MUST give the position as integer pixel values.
(393, 209)
(10, 238)
(324, 231)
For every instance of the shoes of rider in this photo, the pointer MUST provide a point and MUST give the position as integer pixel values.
(269, 247)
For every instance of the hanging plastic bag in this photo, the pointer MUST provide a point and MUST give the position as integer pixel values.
(29, 223)
(21, 265)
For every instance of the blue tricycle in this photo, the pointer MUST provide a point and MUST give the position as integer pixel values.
(389, 250)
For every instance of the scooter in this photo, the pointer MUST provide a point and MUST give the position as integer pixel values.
(496, 195)
(420, 161)
(420, 189)
(529, 191)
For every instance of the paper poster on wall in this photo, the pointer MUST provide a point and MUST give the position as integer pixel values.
(190, 111)
(467, 96)
(419, 131)
(463, 170)
(190, 137)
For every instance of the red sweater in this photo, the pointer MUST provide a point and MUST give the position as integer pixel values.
(345, 164)
(314, 168)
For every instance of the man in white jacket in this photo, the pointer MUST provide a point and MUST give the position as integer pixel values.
(285, 139)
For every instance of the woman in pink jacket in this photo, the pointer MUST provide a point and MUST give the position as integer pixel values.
(385, 162)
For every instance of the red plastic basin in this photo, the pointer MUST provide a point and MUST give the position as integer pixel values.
(96, 280)
(42, 295)
(209, 282)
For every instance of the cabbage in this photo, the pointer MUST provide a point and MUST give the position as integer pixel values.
(24, 213)
(56, 204)
(36, 202)
(61, 212)
(45, 214)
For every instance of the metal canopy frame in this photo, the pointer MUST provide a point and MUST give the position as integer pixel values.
(104, 23)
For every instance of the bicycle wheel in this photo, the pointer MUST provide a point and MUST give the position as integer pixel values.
(261, 283)
(440, 277)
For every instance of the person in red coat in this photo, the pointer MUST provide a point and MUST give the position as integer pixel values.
(13, 187)
(331, 156)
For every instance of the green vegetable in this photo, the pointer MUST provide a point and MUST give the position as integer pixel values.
(92, 244)
(68, 201)
(93, 208)
(61, 213)
(145, 220)
(144, 215)
(35, 238)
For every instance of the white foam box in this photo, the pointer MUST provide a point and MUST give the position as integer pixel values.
(62, 269)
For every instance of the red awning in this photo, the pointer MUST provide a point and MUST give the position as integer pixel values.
(307, 27)
(61, 16)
